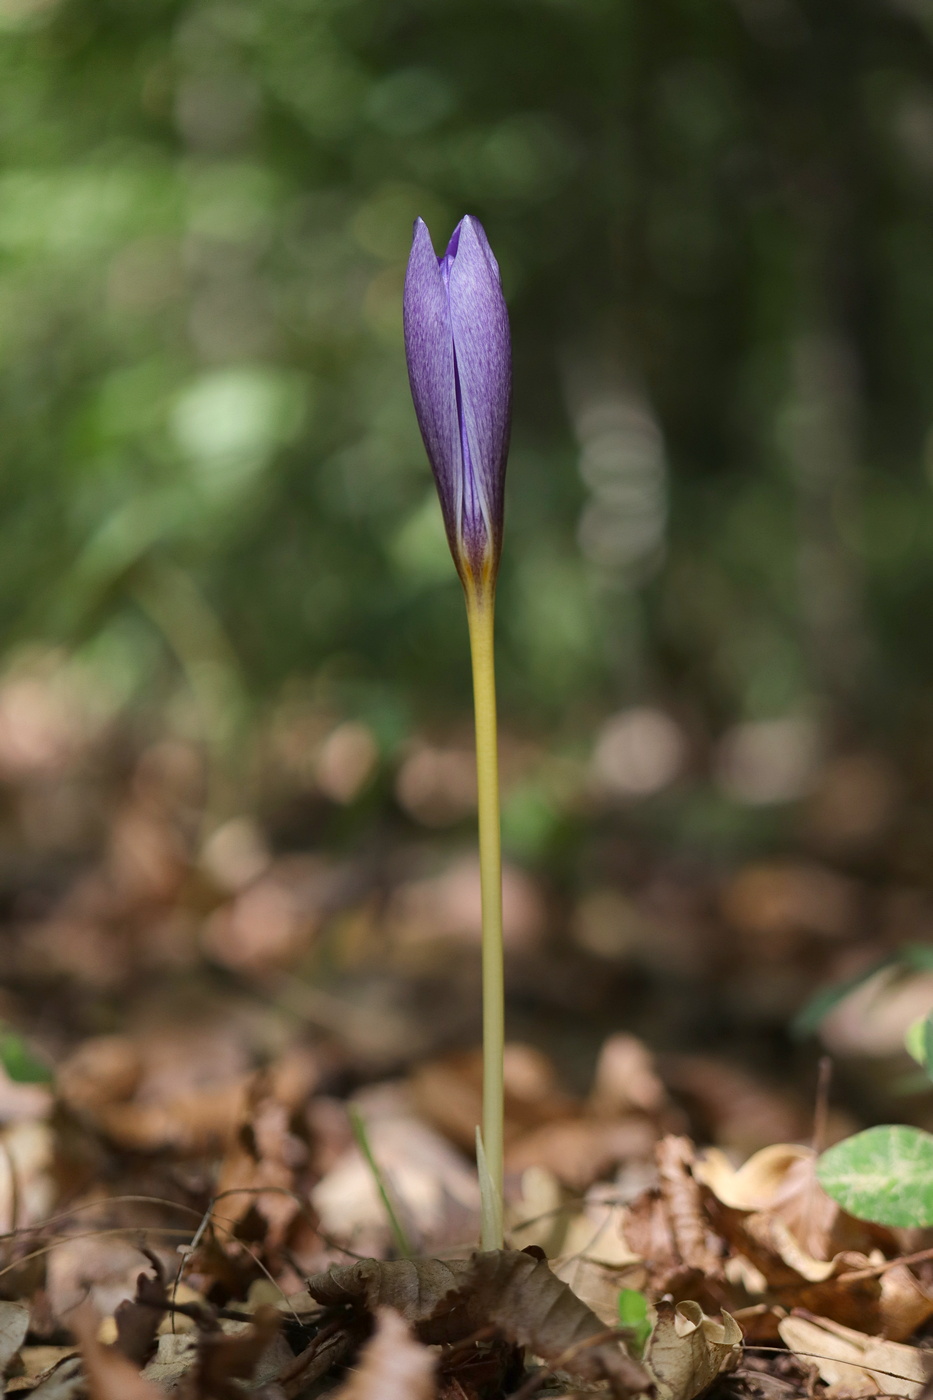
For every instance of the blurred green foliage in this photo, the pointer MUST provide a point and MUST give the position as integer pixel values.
(715, 223)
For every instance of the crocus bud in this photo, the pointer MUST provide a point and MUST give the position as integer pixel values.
(460, 366)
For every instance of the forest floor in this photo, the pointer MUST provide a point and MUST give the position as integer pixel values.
(203, 1019)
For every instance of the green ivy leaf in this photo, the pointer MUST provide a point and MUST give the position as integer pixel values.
(884, 1174)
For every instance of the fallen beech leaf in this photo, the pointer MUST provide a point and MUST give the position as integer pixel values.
(534, 1309)
(538, 1215)
(110, 1376)
(446, 1301)
(758, 1182)
(37, 1363)
(393, 1366)
(682, 1194)
(853, 1363)
(416, 1288)
(845, 1288)
(687, 1350)
(14, 1324)
(596, 1285)
(669, 1229)
(791, 1241)
(782, 1181)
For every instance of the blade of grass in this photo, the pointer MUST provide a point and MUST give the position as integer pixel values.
(402, 1243)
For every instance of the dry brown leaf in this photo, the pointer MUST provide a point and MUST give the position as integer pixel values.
(448, 1092)
(580, 1151)
(775, 1215)
(682, 1196)
(176, 1355)
(271, 1151)
(754, 1185)
(669, 1228)
(856, 1364)
(534, 1309)
(63, 1382)
(137, 1322)
(110, 1376)
(446, 1301)
(419, 1289)
(14, 1324)
(225, 1360)
(687, 1350)
(625, 1079)
(434, 1192)
(596, 1285)
(392, 1366)
(780, 1181)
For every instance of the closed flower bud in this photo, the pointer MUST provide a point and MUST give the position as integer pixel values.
(460, 367)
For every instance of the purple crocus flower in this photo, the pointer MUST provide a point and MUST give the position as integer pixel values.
(460, 366)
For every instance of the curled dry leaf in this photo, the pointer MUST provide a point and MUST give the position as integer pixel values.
(669, 1227)
(855, 1364)
(687, 1350)
(781, 1181)
(804, 1250)
(518, 1294)
(419, 1289)
(392, 1366)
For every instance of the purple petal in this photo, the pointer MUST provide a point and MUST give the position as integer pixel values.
(482, 348)
(429, 351)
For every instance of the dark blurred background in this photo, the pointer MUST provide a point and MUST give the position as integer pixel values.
(224, 585)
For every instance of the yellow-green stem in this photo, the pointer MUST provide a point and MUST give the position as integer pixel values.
(480, 614)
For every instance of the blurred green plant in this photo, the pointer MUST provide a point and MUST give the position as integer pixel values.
(19, 1062)
(885, 1174)
(714, 226)
(633, 1316)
